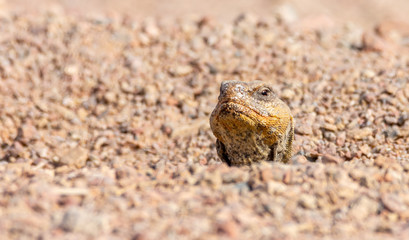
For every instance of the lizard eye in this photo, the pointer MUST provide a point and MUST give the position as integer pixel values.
(265, 91)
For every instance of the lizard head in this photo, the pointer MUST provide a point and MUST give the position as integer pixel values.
(250, 106)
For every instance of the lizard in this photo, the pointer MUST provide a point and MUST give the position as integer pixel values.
(251, 124)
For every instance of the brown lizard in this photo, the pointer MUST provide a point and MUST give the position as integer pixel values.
(251, 124)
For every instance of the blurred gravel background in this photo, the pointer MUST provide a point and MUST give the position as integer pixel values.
(104, 110)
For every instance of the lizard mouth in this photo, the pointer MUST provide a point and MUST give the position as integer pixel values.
(231, 119)
(239, 110)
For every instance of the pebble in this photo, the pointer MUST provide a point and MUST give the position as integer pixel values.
(372, 42)
(29, 131)
(360, 133)
(298, 159)
(363, 207)
(275, 187)
(288, 94)
(151, 95)
(180, 71)
(303, 129)
(393, 203)
(392, 176)
(308, 201)
(330, 127)
(341, 138)
(80, 221)
(229, 228)
(76, 157)
(330, 136)
(368, 73)
(327, 158)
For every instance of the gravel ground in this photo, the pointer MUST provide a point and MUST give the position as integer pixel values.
(104, 129)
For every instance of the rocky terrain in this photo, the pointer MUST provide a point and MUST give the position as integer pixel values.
(104, 128)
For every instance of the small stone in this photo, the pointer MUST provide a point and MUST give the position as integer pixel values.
(363, 207)
(341, 138)
(366, 150)
(288, 94)
(387, 28)
(403, 117)
(304, 129)
(330, 136)
(360, 133)
(71, 70)
(144, 39)
(384, 228)
(405, 166)
(368, 73)
(390, 120)
(276, 187)
(391, 89)
(151, 95)
(299, 159)
(151, 29)
(369, 97)
(29, 131)
(266, 175)
(316, 171)
(229, 228)
(383, 162)
(291, 229)
(181, 70)
(392, 176)
(275, 210)
(288, 177)
(318, 22)
(393, 203)
(76, 157)
(82, 114)
(330, 127)
(286, 13)
(371, 42)
(234, 177)
(403, 132)
(134, 63)
(308, 201)
(327, 158)
(100, 141)
(166, 129)
(79, 221)
(197, 43)
(110, 97)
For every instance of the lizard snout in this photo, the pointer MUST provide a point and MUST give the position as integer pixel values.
(230, 88)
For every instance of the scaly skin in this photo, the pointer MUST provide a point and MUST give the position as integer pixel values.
(251, 124)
